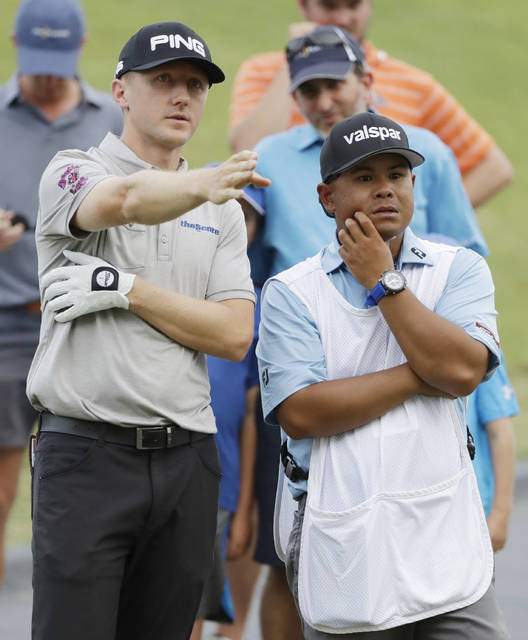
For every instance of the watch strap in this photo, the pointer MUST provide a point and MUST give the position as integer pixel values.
(376, 294)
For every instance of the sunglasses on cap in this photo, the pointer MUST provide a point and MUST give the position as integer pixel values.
(324, 39)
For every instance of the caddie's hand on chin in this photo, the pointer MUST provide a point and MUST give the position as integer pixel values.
(226, 181)
(90, 285)
(363, 250)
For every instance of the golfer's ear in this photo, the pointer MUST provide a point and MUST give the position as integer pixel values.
(326, 198)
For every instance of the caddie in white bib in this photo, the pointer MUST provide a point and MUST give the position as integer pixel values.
(367, 351)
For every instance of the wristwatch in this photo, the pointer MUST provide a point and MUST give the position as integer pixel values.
(390, 283)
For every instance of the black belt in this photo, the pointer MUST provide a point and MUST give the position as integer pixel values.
(138, 437)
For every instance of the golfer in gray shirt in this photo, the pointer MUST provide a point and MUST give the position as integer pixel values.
(143, 271)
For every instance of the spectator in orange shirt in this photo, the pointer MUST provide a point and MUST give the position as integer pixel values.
(261, 104)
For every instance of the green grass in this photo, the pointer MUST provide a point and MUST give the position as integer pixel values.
(477, 49)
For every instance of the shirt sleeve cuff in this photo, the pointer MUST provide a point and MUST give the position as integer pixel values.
(241, 294)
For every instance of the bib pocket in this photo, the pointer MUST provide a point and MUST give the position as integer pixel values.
(444, 559)
(345, 556)
(394, 559)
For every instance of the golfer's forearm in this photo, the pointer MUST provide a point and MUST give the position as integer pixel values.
(146, 197)
(154, 197)
(222, 329)
(335, 406)
(440, 353)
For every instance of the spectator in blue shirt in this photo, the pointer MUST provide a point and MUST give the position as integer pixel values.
(331, 82)
(490, 409)
(234, 398)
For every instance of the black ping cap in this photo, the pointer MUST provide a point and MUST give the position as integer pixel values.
(162, 42)
(364, 135)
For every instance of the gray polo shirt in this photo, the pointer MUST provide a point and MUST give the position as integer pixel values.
(112, 366)
(29, 141)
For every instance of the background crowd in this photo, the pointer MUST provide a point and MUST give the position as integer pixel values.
(61, 111)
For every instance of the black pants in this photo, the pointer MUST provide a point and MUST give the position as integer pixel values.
(122, 539)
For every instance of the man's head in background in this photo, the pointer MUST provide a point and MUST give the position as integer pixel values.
(329, 79)
(48, 36)
(352, 15)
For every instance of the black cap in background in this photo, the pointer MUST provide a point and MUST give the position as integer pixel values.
(325, 52)
(163, 42)
(357, 138)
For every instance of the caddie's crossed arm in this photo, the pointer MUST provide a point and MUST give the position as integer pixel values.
(96, 201)
(296, 391)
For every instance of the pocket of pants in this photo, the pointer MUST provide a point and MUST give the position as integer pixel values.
(59, 454)
(208, 454)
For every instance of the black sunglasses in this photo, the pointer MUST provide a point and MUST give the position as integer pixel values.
(332, 38)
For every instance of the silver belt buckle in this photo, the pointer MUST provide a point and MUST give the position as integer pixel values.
(142, 434)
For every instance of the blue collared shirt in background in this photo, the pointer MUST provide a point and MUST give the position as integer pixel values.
(491, 400)
(230, 382)
(290, 352)
(296, 226)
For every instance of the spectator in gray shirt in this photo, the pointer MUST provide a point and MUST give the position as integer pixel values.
(44, 108)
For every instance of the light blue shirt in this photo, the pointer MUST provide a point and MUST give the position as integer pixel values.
(296, 226)
(491, 400)
(290, 352)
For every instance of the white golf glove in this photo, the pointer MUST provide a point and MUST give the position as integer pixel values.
(90, 285)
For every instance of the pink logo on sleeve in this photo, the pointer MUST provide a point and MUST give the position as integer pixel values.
(71, 179)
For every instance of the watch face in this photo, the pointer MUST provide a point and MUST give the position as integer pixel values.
(393, 281)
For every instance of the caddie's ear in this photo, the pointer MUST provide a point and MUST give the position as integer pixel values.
(326, 198)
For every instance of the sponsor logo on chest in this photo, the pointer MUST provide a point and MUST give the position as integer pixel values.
(372, 132)
(201, 228)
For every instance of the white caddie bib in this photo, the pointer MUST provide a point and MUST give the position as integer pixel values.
(394, 530)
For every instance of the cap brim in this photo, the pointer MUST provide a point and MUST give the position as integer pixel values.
(330, 70)
(44, 62)
(214, 73)
(414, 158)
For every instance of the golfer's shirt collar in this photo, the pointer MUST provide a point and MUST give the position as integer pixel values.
(413, 251)
(126, 159)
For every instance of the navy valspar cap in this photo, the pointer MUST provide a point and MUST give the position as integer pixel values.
(326, 52)
(362, 136)
(163, 42)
